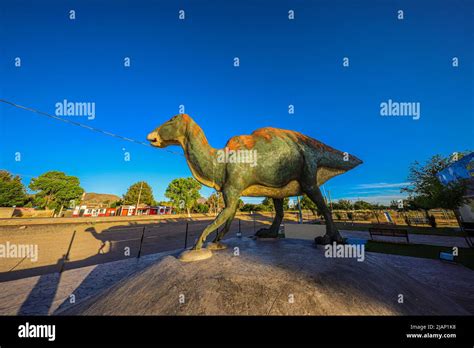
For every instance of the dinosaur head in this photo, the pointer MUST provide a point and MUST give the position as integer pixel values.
(172, 132)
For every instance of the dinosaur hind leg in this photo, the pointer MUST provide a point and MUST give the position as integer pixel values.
(332, 234)
(272, 231)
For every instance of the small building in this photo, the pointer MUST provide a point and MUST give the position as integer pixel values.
(129, 210)
(92, 211)
(164, 210)
(111, 212)
(126, 210)
(98, 205)
(95, 205)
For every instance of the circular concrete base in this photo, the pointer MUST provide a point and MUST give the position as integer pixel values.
(195, 255)
(216, 246)
(286, 277)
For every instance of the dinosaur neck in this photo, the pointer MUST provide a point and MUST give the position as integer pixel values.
(201, 157)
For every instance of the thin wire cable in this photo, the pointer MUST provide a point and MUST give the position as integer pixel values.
(78, 124)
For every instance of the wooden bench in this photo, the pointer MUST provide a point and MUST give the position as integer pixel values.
(388, 231)
(418, 221)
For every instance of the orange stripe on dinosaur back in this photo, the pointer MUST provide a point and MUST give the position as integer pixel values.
(269, 133)
(186, 118)
(247, 141)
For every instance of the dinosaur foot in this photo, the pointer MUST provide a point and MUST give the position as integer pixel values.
(216, 246)
(328, 239)
(266, 233)
(195, 255)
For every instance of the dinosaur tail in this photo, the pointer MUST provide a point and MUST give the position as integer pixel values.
(332, 163)
(348, 162)
(335, 159)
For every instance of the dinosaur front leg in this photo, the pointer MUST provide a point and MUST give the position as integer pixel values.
(221, 218)
(216, 244)
(197, 252)
(332, 234)
(272, 231)
(224, 231)
(231, 197)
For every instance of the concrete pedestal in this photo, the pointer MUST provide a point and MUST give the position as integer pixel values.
(287, 277)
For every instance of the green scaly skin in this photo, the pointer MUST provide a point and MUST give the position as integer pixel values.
(288, 164)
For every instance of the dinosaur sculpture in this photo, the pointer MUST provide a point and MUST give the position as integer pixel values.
(287, 164)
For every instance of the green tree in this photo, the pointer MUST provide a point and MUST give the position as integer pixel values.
(267, 204)
(165, 203)
(342, 204)
(139, 189)
(215, 202)
(308, 204)
(425, 191)
(116, 204)
(248, 207)
(55, 189)
(12, 190)
(378, 206)
(363, 205)
(201, 208)
(183, 192)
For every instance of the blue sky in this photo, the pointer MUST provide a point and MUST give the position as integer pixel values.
(190, 62)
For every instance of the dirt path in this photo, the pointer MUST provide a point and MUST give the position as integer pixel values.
(95, 243)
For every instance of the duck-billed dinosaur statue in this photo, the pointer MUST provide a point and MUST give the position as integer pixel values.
(285, 163)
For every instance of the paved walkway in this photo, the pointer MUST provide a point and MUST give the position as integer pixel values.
(414, 239)
(96, 244)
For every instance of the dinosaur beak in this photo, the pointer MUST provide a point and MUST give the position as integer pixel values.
(154, 139)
